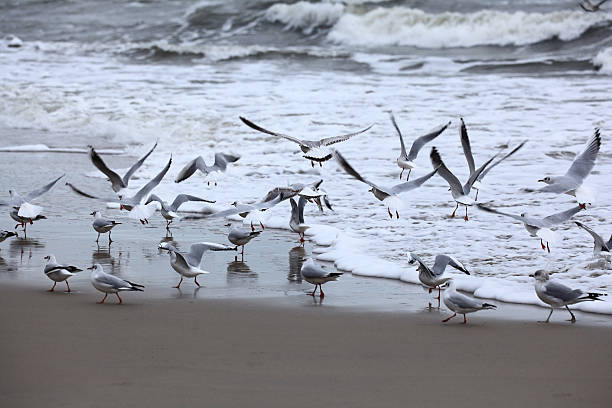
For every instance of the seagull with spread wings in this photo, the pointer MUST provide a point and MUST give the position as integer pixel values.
(219, 166)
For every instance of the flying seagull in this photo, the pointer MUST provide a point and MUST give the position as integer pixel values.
(558, 295)
(24, 211)
(296, 222)
(599, 244)
(314, 150)
(571, 182)
(220, 165)
(107, 283)
(406, 160)
(312, 192)
(589, 7)
(314, 274)
(59, 273)
(432, 278)
(118, 183)
(168, 211)
(460, 303)
(388, 195)
(460, 193)
(539, 227)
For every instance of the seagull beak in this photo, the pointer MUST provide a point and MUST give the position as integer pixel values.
(540, 180)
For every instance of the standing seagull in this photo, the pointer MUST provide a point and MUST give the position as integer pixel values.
(59, 273)
(107, 283)
(188, 265)
(118, 183)
(102, 225)
(600, 244)
(539, 227)
(220, 165)
(386, 194)
(558, 295)
(432, 278)
(240, 237)
(317, 276)
(460, 303)
(406, 160)
(168, 211)
(581, 167)
(314, 150)
(296, 222)
(460, 193)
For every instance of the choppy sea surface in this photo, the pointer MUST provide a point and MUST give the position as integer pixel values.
(120, 74)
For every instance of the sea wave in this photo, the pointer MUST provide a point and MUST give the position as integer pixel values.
(305, 16)
(412, 27)
(603, 60)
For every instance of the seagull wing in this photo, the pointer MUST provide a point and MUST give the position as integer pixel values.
(38, 192)
(560, 291)
(585, 161)
(467, 148)
(222, 159)
(412, 184)
(422, 268)
(196, 251)
(260, 129)
(300, 208)
(399, 133)
(116, 181)
(599, 242)
(467, 187)
(246, 208)
(183, 198)
(136, 166)
(351, 171)
(488, 169)
(419, 142)
(144, 191)
(88, 195)
(445, 173)
(336, 139)
(190, 168)
(524, 220)
(561, 217)
(443, 260)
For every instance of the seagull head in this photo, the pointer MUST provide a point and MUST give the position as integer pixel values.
(411, 259)
(95, 268)
(547, 180)
(541, 276)
(167, 246)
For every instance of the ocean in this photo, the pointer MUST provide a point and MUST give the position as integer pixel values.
(122, 74)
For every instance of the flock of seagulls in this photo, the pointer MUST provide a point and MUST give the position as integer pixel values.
(143, 204)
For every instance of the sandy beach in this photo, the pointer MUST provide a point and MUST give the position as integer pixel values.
(65, 350)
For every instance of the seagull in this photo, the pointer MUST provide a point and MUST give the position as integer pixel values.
(460, 303)
(406, 160)
(386, 194)
(118, 183)
(133, 204)
(59, 273)
(245, 209)
(589, 7)
(102, 225)
(311, 192)
(168, 211)
(432, 278)
(570, 183)
(240, 237)
(23, 211)
(460, 193)
(317, 276)
(539, 227)
(17, 200)
(314, 150)
(600, 244)
(4, 235)
(188, 265)
(558, 295)
(220, 165)
(467, 152)
(296, 222)
(107, 283)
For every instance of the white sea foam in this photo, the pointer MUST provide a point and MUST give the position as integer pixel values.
(603, 60)
(305, 16)
(406, 26)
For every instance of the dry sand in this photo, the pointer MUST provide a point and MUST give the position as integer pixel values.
(62, 350)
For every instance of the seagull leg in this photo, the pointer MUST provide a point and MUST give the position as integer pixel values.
(464, 319)
(313, 292)
(573, 319)
(397, 214)
(542, 243)
(430, 289)
(448, 318)
(466, 215)
(312, 164)
(322, 295)
(179, 284)
(401, 173)
(476, 198)
(453, 214)
(262, 226)
(547, 247)
(109, 237)
(98, 239)
(53, 288)
(320, 164)
(548, 318)
(103, 299)
(68, 286)
(196, 281)
(119, 297)
(252, 227)
(439, 290)
(390, 214)
(408, 176)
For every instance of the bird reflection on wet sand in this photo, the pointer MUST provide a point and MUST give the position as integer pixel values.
(296, 260)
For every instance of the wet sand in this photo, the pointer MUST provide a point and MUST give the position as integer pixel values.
(65, 350)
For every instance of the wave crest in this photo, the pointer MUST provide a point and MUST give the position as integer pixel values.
(305, 16)
(603, 60)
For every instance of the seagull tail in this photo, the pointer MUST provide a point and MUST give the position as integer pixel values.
(593, 296)
(136, 286)
(486, 306)
(255, 233)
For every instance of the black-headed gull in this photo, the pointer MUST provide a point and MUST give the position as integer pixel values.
(314, 274)
(107, 283)
(59, 272)
(462, 304)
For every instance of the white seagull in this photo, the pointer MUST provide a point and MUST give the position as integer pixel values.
(462, 304)
(220, 165)
(59, 273)
(188, 265)
(432, 278)
(102, 225)
(169, 211)
(406, 160)
(314, 150)
(558, 295)
(24, 211)
(296, 222)
(314, 274)
(107, 283)
(240, 237)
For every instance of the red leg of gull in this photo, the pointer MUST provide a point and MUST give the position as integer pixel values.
(464, 319)
(68, 286)
(430, 289)
(408, 176)
(390, 214)
(397, 214)
(179, 284)
(196, 281)
(542, 243)
(582, 205)
(119, 297)
(322, 295)
(262, 226)
(477, 191)
(448, 318)
(53, 288)
(439, 293)
(453, 214)
(312, 163)
(466, 216)
(252, 227)
(547, 247)
(402, 172)
(103, 299)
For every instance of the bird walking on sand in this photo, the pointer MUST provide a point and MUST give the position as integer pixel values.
(107, 283)
(432, 278)
(296, 222)
(599, 244)
(169, 211)
(188, 265)
(314, 274)
(240, 237)
(102, 225)
(462, 304)
(59, 273)
(406, 160)
(558, 295)
(314, 150)
(219, 166)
